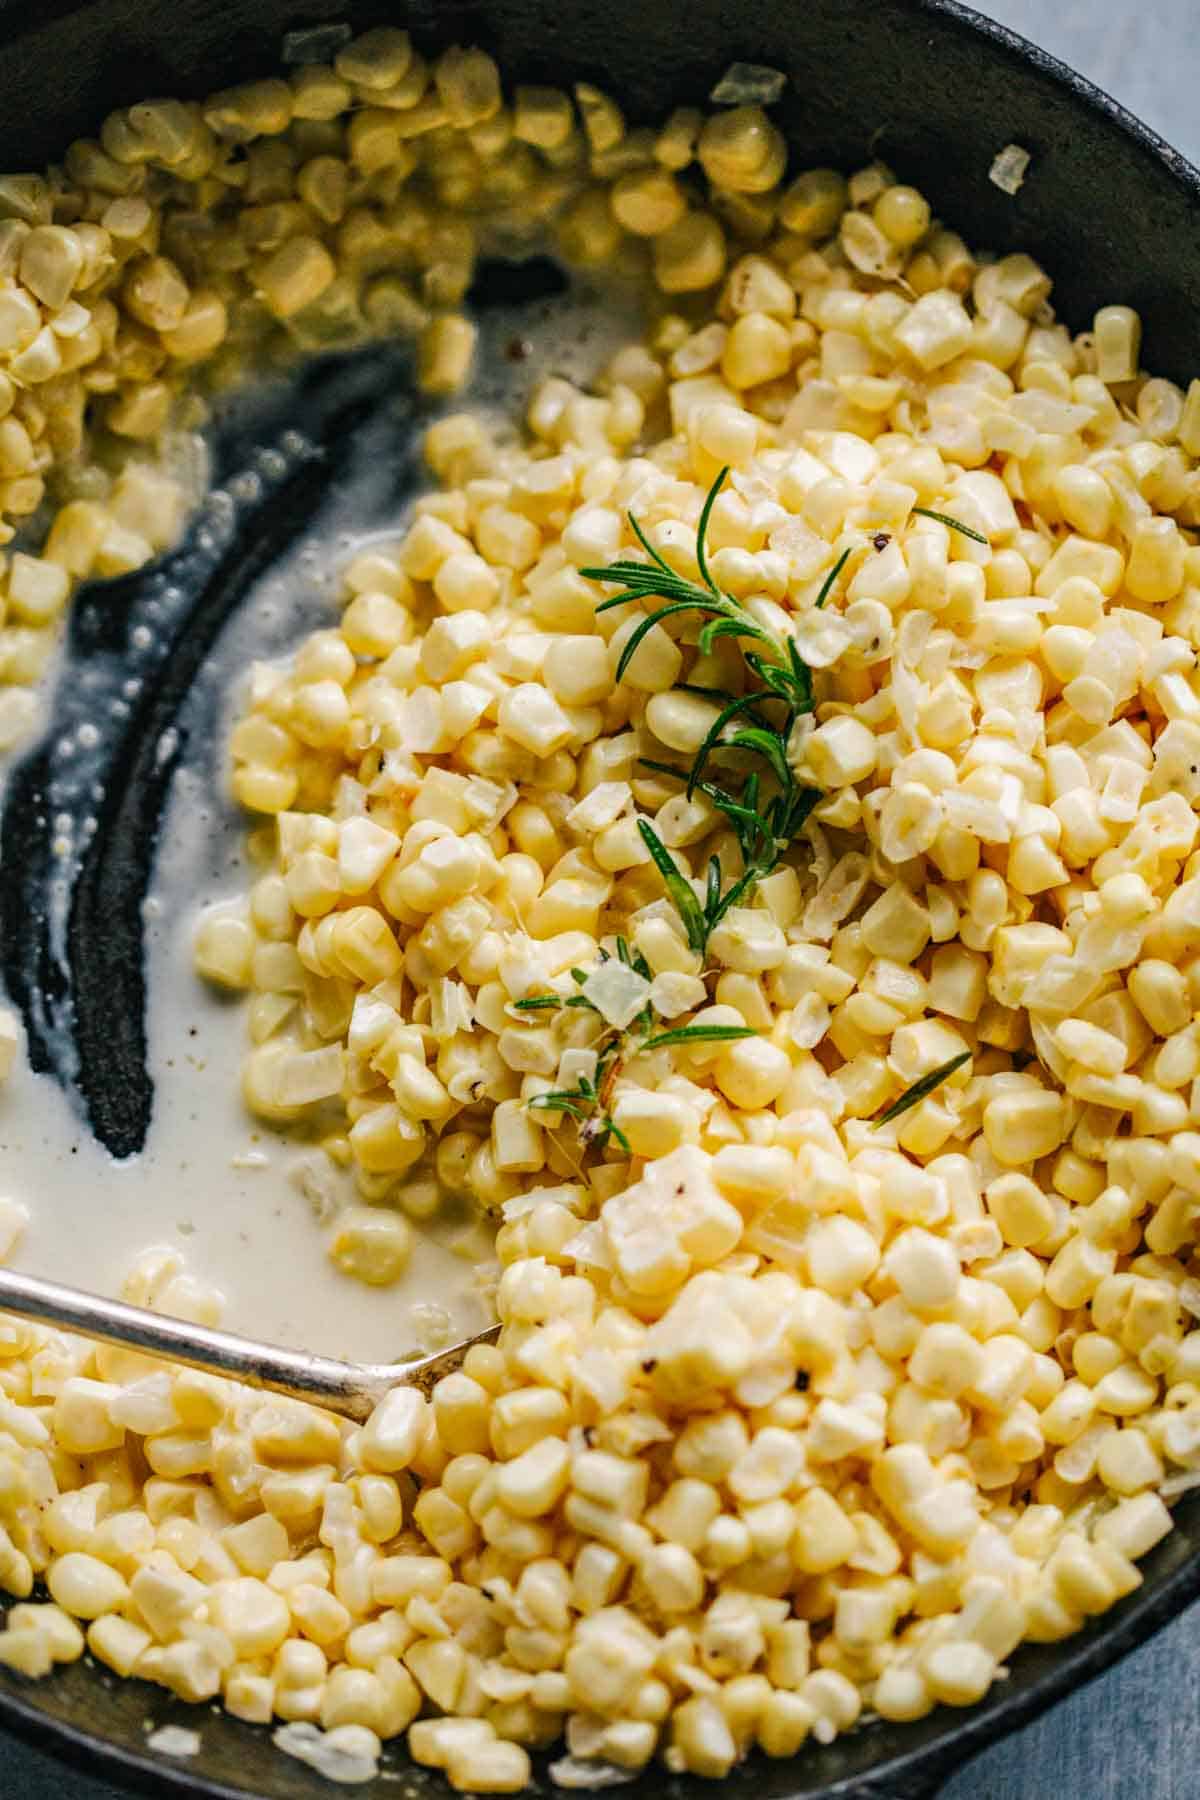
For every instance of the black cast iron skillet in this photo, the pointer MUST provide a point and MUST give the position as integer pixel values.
(932, 88)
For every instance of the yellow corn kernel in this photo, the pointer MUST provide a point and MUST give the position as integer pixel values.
(370, 1244)
(1118, 335)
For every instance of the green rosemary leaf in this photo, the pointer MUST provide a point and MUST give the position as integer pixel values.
(628, 568)
(746, 821)
(827, 585)
(780, 683)
(583, 1001)
(741, 886)
(736, 811)
(722, 695)
(633, 959)
(610, 1129)
(636, 594)
(647, 762)
(702, 530)
(539, 1003)
(927, 512)
(645, 581)
(712, 887)
(579, 976)
(645, 578)
(559, 1102)
(767, 745)
(732, 627)
(921, 1089)
(698, 1034)
(802, 804)
(679, 890)
(776, 681)
(648, 624)
(648, 547)
(712, 738)
(803, 678)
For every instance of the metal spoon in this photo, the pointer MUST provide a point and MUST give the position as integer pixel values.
(352, 1389)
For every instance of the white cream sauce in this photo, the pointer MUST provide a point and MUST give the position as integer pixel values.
(212, 1182)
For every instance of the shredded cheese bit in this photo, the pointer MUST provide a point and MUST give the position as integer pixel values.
(1009, 167)
(347, 1755)
(174, 1740)
(619, 994)
(749, 84)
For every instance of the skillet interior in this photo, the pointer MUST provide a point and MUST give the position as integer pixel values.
(1111, 212)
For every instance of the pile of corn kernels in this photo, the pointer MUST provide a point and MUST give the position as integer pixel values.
(796, 1417)
(190, 243)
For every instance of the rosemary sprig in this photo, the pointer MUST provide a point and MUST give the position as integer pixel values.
(633, 959)
(657, 580)
(764, 820)
(920, 1090)
(762, 838)
(764, 718)
(586, 1105)
(699, 920)
(792, 688)
(587, 1101)
(828, 584)
(927, 512)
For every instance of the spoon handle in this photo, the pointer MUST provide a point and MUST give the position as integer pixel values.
(351, 1389)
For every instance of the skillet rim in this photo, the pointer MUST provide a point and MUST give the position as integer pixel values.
(915, 1774)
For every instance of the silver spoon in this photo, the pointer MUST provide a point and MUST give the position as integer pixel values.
(352, 1389)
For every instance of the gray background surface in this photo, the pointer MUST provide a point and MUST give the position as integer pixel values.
(1136, 1732)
